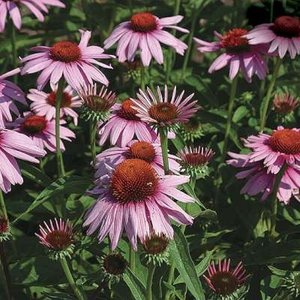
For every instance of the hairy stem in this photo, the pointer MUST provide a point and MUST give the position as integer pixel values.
(6, 272)
(132, 259)
(3, 206)
(266, 100)
(170, 280)
(93, 133)
(190, 43)
(274, 201)
(151, 270)
(164, 149)
(14, 49)
(59, 157)
(229, 116)
(70, 279)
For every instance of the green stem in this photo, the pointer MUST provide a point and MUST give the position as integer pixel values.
(272, 11)
(190, 43)
(6, 271)
(170, 58)
(177, 7)
(93, 133)
(266, 100)
(229, 116)
(164, 149)
(3, 206)
(143, 78)
(274, 201)
(151, 270)
(59, 157)
(132, 259)
(14, 49)
(170, 280)
(70, 279)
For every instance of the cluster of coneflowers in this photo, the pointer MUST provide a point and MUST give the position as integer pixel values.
(137, 180)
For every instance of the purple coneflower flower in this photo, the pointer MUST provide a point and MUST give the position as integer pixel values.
(194, 160)
(58, 237)
(132, 196)
(145, 32)
(273, 151)
(260, 180)
(224, 280)
(44, 103)
(75, 63)
(282, 36)
(15, 145)
(42, 131)
(96, 104)
(238, 54)
(9, 92)
(123, 125)
(285, 103)
(13, 8)
(149, 152)
(160, 110)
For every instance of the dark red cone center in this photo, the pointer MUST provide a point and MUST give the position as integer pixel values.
(59, 240)
(234, 42)
(285, 141)
(66, 99)
(142, 150)
(34, 124)
(65, 51)
(163, 112)
(127, 112)
(287, 26)
(143, 22)
(225, 283)
(133, 180)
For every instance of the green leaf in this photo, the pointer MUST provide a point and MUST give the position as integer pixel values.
(240, 113)
(187, 187)
(179, 251)
(34, 174)
(68, 185)
(174, 291)
(136, 287)
(200, 267)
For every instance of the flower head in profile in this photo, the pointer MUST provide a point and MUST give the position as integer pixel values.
(4, 229)
(238, 54)
(224, 280)
(113, 266)
(281, 37)
(124, 125)
(14, 145)
(285, 104)
(132, 196)
(9, 93)
(156, 249)
(149, 152)
(191, 131)
(291, 283)
(96, 105)
(164, 110)
(57, 235)
(13, 9)
(261, 180)
(194, 160)
(42, 131)
(75, 63)
(43, 104)
(145, 32)
(273, 151)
